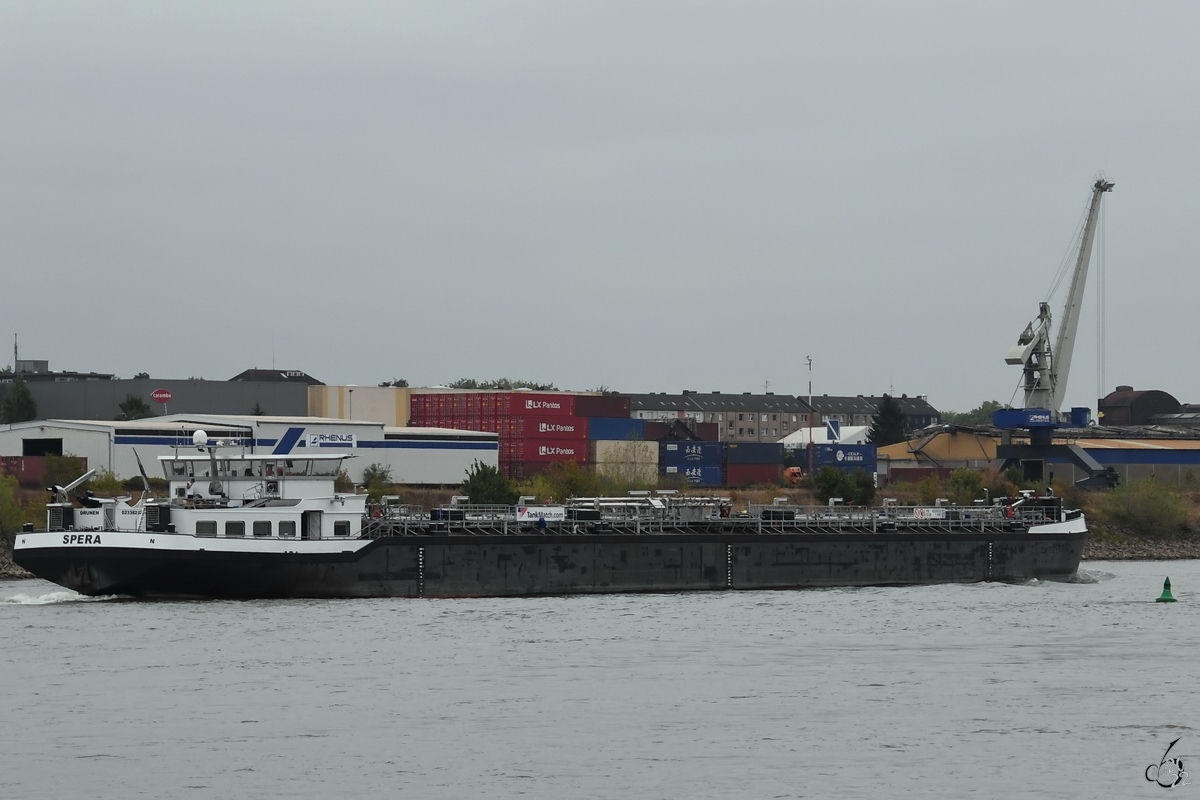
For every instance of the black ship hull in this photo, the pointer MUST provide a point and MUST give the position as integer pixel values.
(515, 565)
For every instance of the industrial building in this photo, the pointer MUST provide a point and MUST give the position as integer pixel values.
(1126, 407)
(416, 456)
(953, 447)
(90, 395)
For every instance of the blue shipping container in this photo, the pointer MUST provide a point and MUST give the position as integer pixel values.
(676, 453)
(616, 428)
(754, 453)
(697, 474)
(848, 457)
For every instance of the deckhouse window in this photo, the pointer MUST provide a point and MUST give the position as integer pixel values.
(235, 528)
(262, 527)
(206, 527)
(341, 528)
(287, 527)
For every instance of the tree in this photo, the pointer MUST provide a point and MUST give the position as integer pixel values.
(888, 425)
(19, 405)
(377, 478)
(134, 408)
(141, 376)
(980, 415)
(257, 411)
(399, 383)
(486, 486)
(501, 384)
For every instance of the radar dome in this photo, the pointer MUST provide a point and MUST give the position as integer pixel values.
(200, 438)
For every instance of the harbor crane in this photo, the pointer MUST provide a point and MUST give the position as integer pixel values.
(1045, 369)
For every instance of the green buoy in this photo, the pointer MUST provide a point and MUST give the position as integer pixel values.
(1166, 595)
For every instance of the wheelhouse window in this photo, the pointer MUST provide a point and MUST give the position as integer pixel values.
(235, 528)
(262, 527)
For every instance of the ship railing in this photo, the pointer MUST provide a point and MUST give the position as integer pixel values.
(801, 519)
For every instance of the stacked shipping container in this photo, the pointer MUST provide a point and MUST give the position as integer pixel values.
(536, 429)
(749, 463)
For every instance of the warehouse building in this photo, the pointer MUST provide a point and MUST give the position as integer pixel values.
(77, 395)
(416, 456)
(1127, 407)
(952, 447)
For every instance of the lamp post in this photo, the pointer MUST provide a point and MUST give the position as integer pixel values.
(351, 413)
(810, 416)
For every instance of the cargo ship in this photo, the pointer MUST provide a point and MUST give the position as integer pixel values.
(270, 526)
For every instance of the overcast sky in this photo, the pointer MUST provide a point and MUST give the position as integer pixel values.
(651, 196)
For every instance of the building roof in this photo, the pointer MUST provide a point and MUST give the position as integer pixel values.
(869, 404)
(717, 401)
(277, 376)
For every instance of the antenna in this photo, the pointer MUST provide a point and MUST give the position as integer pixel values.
(1101, 301)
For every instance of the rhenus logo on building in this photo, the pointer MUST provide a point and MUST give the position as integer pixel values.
(331, 440)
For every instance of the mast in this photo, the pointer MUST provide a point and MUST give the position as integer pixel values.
(1064, 345)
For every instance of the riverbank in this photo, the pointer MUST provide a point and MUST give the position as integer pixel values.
(9, 570)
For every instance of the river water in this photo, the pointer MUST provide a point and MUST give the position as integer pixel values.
(986, 690)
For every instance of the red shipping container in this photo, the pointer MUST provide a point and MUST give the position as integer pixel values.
(602, 405)
(657, 431)
(554, 450)
(523, 403)
(548, 427)
(708, 431)
(749, 474)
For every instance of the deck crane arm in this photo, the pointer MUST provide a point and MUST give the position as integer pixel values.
(1046, 369)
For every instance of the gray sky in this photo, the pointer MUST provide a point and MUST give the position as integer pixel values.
(653, 196)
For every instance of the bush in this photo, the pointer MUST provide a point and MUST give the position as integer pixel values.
(856, 489)
(930, 489)
(11, 513)
(486, 486)
(1145, 508)
(964, 486)
(106, 482)
(61, 470)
